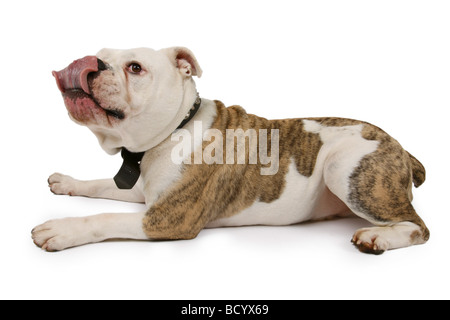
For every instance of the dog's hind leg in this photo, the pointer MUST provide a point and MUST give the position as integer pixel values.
(103, 188)
(378, 189)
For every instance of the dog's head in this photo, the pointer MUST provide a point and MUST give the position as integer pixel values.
(130, 98)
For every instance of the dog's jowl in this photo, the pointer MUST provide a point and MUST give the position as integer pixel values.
(203, 165)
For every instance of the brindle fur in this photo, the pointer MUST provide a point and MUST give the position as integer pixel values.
(380, 187)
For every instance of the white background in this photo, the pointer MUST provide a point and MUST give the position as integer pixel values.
(386, 62)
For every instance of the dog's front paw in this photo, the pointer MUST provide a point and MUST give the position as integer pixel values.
(55, 235)
(368, 240)
(62, 184)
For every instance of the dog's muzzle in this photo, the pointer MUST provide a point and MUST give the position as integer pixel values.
(74, 84)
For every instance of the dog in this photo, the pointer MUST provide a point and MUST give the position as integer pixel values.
(197, 164)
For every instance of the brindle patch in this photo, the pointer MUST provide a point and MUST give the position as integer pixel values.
(208, 192)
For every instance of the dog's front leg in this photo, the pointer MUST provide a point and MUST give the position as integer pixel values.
(59, 234)
(103, 188)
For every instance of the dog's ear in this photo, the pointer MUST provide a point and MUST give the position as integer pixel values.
(185, 61)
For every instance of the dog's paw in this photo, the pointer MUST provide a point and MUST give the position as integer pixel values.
(62, 184)
(56, 235)
(368, 240)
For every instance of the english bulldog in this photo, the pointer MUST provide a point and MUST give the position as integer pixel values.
(198, 164)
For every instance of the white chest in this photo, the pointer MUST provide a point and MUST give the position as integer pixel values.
(160, 168)
(158, 172)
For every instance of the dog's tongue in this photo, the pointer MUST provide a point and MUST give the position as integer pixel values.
(75, 75)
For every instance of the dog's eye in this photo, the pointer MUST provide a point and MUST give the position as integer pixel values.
(135, 68)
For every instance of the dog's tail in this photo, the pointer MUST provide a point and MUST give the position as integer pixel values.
(418, 171)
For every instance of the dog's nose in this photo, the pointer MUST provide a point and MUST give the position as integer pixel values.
(76, 74)
(101, 65)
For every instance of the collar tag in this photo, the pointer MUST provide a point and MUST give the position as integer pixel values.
(130, 171)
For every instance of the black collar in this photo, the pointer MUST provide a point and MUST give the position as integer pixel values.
(191, 112)
(130, 171)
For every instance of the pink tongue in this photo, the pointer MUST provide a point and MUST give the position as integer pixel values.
(75, 75)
